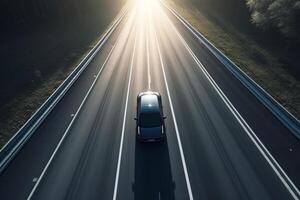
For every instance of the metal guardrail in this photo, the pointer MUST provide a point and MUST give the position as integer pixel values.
(8, 152)
(290, 121)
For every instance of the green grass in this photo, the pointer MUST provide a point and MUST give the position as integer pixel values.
(259, 63)
(20, 108)
(62, 51)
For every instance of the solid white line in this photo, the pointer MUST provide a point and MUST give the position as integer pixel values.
(262, 149)
(236, 71)
(175, 123)
(68, 129)
(36, 124)
(123, 126)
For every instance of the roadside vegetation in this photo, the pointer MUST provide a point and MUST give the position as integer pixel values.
(268, 51)
(281, 14)
(41, 42)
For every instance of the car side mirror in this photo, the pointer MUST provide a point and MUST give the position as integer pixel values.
(135, 118)
(165, 117)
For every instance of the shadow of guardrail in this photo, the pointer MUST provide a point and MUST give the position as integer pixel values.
(8, 152)
(286, 118)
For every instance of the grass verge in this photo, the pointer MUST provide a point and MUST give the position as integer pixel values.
(260, 64)
(15, 112)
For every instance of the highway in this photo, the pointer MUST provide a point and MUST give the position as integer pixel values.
(222, 143)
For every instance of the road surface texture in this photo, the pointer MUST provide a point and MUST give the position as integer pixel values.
(87, 149)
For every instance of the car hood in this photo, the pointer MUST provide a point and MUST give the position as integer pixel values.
(151, 132)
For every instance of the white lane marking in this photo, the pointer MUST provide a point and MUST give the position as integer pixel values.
(262, 149)
(175, 123)
(124, 123)
(148, 54)
(4, 162)
(69, 127)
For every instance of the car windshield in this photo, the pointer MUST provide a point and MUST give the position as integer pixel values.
(150, 120)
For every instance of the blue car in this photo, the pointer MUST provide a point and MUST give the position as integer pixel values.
(150, 125)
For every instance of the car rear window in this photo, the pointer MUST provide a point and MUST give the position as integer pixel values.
(150, 120)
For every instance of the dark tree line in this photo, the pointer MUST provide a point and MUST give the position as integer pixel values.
(268, 15)
(234, 11)
(282, 14)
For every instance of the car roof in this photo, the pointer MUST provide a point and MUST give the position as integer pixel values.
(149, 103)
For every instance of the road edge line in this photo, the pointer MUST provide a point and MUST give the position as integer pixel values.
(280, 112)
(264, 151)
(7, 152)
(69, 127)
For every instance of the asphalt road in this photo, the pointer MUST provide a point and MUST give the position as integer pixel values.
(87, 147)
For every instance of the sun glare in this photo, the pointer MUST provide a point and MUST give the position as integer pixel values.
(145, 4)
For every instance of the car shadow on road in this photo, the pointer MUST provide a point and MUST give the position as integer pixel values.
(153, 177)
